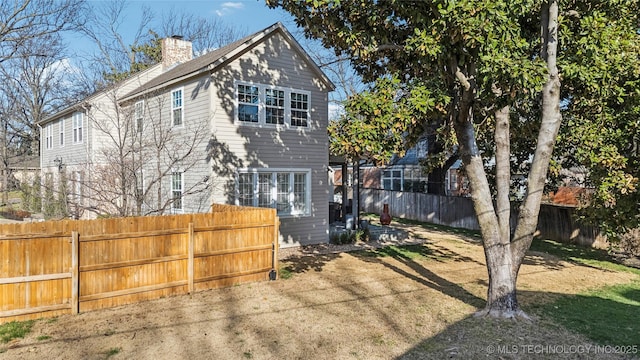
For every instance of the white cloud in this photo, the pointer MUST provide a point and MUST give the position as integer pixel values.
(227, 8)
(335, 110)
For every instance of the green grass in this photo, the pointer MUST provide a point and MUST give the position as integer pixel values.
(43, 337)
(113, 351)
(14, 330)
(597, 258)
(608, 316)
(285, 272)
(410, 252)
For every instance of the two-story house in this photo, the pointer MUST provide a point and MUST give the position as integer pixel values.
(244, 124)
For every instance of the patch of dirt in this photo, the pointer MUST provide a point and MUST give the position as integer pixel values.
(336, 305)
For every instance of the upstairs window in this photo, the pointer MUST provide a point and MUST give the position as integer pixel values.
(177, 113)
(299, 109)
(274, 103)
(248, 103)
(139, 116)
(77, 127)
(269, 105)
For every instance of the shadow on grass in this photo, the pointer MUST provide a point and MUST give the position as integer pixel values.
(540, 250)
(572, 327)
(608, 316)
(407, 255)
(304, 263)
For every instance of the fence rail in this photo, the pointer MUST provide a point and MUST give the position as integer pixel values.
(554, 222)
(53, 268)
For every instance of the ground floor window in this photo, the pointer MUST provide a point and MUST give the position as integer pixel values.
(288, 191)
(176, 191)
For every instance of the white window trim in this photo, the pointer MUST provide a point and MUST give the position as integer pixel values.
(181, 89)
(77, 186)
(262, 112)
(48, 130)
(274, 188)
(139, 120)
(61, 132)
(392, 169)
(174, 209)
(77, 131)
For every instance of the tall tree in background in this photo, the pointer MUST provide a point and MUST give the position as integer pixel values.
(118, 54)
(26, 29)
(24, 20)
(475, 64)
(601, 73)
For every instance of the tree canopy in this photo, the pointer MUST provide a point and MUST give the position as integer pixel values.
(485, 77)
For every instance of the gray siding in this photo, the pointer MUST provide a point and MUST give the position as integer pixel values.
(226, 146)
(273, 62)
(193, 136)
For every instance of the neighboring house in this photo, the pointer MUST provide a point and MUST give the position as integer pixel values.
(405, 173)
(244, 124)
(22, 169)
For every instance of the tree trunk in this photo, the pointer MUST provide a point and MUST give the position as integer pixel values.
(549, 127)
(501, 295)
(502, 301)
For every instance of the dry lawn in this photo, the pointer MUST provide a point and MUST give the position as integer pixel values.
(335, 306)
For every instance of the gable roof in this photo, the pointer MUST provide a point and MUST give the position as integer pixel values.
(86, 102)
(211, 61)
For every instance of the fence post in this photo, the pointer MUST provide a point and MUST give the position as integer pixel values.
(190, 259)
(75, 273)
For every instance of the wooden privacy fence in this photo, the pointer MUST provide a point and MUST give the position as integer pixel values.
(57, 267)
(554, 222)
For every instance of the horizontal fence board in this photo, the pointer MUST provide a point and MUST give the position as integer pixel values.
(233, 251)
(232, 275)
(93, 264)
(35, 310)
(115, 265)
(132, 291)
(26, 279)
(131, 235)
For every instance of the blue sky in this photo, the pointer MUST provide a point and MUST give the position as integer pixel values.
(247, 16)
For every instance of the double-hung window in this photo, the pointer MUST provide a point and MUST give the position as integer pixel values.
(299, 109)
(270, 105)
(138, 114)
(288, 191)
(61, 131)
(48, 136)
(77, 127)
(77, 186)
(176, 191)
(248, 103)
(274, 106)
(177, 107)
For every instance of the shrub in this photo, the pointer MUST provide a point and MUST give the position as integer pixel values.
(350, 237)
(630, 243)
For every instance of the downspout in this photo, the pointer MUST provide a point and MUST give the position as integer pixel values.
(41, 149)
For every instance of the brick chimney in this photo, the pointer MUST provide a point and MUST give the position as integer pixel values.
(175, 50)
